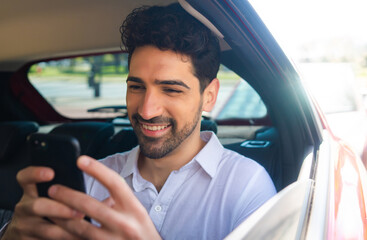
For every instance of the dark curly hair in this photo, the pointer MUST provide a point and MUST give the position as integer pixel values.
(172, 28)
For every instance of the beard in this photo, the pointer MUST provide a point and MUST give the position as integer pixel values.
(156, 148)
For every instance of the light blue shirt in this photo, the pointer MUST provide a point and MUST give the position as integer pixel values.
(205, 199)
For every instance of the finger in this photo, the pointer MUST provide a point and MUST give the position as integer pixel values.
(99, 211)
(37, 228)
(45, 207)
(109, 202)
(115, 184)
(47, 230)
(82, 229)
(28, 177)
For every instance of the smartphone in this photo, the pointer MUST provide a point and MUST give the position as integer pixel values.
(59, 152)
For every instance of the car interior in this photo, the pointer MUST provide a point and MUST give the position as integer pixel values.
(276, 139)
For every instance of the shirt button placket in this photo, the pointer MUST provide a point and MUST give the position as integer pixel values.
(158, 208)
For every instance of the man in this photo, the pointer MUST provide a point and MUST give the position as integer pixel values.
(178, 183)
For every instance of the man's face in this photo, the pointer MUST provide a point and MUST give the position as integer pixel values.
(163, 100)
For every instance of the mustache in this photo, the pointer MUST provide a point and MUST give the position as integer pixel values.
(158, 119)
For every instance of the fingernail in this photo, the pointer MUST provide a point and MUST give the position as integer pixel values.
(77, 214)
(52, 190)
(110, 202)
(45, 174)
(84, 161)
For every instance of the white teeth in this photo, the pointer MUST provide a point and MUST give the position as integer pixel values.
(154, 128)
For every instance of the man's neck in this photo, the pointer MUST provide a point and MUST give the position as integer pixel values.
(157, 171)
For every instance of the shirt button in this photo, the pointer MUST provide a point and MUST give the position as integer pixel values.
(158, 208)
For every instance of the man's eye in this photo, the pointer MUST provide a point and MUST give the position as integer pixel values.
(171, 90)
(135, 87)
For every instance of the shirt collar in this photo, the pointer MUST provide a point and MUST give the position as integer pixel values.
(131, 168)
(132, 163)
(208, 158)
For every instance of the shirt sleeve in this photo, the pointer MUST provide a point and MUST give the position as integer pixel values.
(259, 190)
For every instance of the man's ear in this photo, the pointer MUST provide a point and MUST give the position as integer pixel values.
(210, 95)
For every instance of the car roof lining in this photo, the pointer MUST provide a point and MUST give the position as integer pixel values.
(72, 28)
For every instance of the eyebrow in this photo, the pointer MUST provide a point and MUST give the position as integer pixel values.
(172, 82)
(160, 82)
(134, 79)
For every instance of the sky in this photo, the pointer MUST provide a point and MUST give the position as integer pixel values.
(295, 22)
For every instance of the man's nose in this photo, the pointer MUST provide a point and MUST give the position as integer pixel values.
(151, 105)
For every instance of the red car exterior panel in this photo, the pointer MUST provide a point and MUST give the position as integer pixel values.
(347, 209)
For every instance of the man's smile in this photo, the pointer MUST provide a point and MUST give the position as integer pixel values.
(154, 127)
(154, 130)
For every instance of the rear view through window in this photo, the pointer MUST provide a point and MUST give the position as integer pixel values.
(83, 87)
(95, 87)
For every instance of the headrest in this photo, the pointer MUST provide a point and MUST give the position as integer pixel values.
(13, 135)
(208, 125)
(122, 141)
(91, 135)
(266, 133)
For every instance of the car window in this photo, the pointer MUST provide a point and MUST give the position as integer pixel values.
(83, 87)
(242, 103)
(333, 85)
(95, 87)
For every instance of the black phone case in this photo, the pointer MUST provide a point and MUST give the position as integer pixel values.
(60, 153)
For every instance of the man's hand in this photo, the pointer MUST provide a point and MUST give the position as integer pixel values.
(28, 220)
(121, 216)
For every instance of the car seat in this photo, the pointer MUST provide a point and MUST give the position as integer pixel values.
(13, 157)
(264, 149)
(91, 135)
